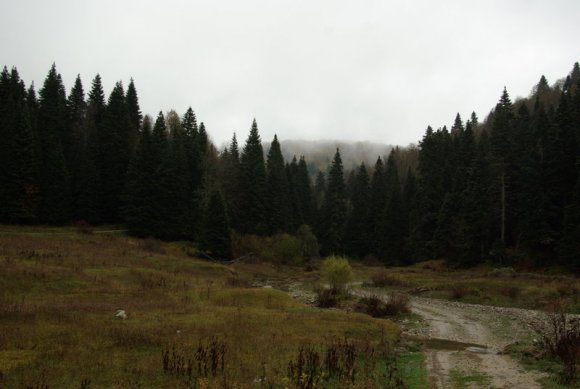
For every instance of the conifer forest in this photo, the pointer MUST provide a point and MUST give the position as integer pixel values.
(500, 189)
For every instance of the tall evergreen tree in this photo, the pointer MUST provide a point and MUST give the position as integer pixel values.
(232, 182)
(75, 140)
(335, 208)
(116, 150)
(357, 236)
(18, 153)
(378, 201)
(254, 174)
(216, 240)
(278, 207)
(55, 206)
(502, 142)
(134, 114)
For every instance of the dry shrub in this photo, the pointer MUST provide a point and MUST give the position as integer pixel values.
(376, 306)
(152, 245)
(560, 337)
(83, 227)
(567, 289)
(234, 281)
(382, 278)
(459, 291)
(327, 298)
(510, 291)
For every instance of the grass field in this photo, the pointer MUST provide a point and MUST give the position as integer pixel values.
(190, 323)
(483, 285)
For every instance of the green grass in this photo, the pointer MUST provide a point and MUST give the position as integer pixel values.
(462, 380)
(59, 291)
(413, 370)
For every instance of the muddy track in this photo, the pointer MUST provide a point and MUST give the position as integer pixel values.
(466, 339)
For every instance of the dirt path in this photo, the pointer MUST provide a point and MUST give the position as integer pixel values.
(478, 334)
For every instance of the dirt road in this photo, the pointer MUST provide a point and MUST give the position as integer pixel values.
(465, 340)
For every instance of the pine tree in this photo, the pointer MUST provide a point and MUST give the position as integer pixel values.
(216, 240)
(134, 114)
(140, 210)
(75, 140)
(176, 184)
(378, 201)
(392, 226)
(232, 182)
(116, 150)
(254, 219)
(88, 188)
(335, 208)
(502, 143)
(18, 153)
(278, 207)
(357, 226)
(55, 204)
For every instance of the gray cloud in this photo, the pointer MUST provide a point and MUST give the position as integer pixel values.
(328, 69)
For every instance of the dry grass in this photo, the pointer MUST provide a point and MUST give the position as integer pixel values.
(59, 291)
(484, 285)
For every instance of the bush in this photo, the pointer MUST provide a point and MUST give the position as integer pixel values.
(379, 307)
(458, 292)
(561, 338)
(286, 249)
(337, 272)
(510, 291)
(308, 242)
(327, 298)
(152, 245)
(382, 278)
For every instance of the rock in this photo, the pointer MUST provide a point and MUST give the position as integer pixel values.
(121, 314)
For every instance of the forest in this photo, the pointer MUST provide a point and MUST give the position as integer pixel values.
(505, 190)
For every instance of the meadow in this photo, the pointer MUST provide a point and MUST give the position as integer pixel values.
(190, 323)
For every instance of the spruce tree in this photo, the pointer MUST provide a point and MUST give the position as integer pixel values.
(18, 153)
(378, 201)
(392, 227)
(502, 142)
(216, 240)
(176, 184)
(357, 235)
(75, 140)
(278, 207)
(232, 182)
(140, 210)
(254, 218)
(88, 194)
(134, 114)
(335, 208)
(55, 203)
(116, 150)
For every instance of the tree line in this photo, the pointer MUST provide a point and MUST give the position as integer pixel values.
(505, 190)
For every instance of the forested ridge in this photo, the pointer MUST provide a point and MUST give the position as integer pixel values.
(505, 190)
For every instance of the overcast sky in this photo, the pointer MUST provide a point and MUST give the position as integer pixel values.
(306, 69)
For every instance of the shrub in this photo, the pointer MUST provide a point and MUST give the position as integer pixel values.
(510, 291)
(286, 249)
(382, 278)
(308, 242)
(458, 292)
(337, 271)
(379, 307)
(152, 245)
(83, 227)
(561, 338)
(327, 298)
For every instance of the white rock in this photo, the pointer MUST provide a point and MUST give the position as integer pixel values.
(121, 314)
